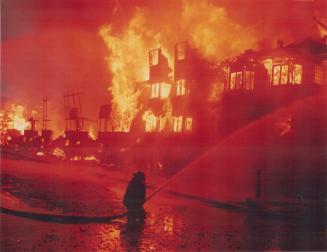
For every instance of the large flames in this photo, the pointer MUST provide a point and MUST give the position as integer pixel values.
(126, 63)
(13, 119)
(213, 33)
(206, 26)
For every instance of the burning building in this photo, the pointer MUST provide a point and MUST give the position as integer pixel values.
(293, 65)
(193, 79)
(177, 106)
(157, 116)
(260, 81)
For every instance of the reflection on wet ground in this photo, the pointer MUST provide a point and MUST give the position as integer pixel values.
(173, 222)
(170, 225)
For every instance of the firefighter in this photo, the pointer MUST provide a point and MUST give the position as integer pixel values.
(134, 197)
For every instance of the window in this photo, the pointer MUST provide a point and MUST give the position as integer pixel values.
(155, 88)
(319, 74)
(238, 80)
(249, 80)
(297, 72)
(188, 124)
(151, 121)
(177, 124)
(154, 57)
(180, 87)
(151, 125)
(164, 90)
(276, 75)
(161, 90)
(232, 80)
(284, 74)
(181, 51)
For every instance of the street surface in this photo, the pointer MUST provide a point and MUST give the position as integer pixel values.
(174, 222)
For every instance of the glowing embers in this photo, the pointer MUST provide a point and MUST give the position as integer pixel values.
(154, 57)
(40, 154)
(169, 224)
(178, 122)
(160, 90)
(242, 80)
(59, 153)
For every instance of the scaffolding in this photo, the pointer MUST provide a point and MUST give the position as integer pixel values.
(73, 110)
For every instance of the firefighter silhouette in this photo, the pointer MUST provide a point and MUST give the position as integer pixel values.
(134, 197)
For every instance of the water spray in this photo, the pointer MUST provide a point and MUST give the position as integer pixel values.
(164, 184)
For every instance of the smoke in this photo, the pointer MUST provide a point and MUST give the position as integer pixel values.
(206, 26)
(55, 50)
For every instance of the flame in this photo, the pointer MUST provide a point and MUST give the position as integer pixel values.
(165, 90)
(91, 158)
(213, 33)
(160, 90)
(59, 153)
(13, 119)
(268, 64)
(206, 26)
(92, 132)
(151, 121)
(19, 122)
(127, 63)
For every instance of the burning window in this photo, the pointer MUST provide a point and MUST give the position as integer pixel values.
(284, 74)
(276, 75)
(154, 57)
(297, 72)
(151, 121)
(319, 74)
(161, 90)
(180, 87)
(232, 80)
(177, 124)
(249, 80)
(155, 89)
(268, 63)
(181, 51)
(238, 80)
(164, 90)
(188, 124)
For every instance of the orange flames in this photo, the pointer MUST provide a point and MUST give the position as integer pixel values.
(280, 72)
(155, 123)
(14, 119)
(213, 33)
(206, 26)
(127, 64)
(92, 132)
(151, 121)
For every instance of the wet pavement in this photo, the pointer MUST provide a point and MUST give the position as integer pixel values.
(173, 222)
